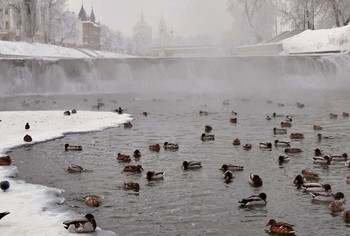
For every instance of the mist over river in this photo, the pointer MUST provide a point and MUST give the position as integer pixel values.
(173, 91)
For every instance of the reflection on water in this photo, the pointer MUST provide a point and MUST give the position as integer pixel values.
(194, 202)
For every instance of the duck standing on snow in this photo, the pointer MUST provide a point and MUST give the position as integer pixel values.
(27, 126)
(254, 200)
(4, 185)
(84, 224)
(191, 165)
(3, 214)
(280, 228)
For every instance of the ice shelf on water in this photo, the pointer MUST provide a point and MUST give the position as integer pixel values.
(29, 204)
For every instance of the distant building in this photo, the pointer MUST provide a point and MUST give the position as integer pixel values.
(91, 29)
(10, 28)
(143, 36)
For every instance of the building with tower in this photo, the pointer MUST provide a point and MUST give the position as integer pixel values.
(10, 27)
(91, 29)
(143, 36)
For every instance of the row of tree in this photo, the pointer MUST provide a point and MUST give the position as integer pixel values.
(261, 19)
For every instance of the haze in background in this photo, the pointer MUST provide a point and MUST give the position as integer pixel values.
(185, 17)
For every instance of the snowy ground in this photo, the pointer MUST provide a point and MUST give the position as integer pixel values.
(319, 41)
(10, 49)
(26, 202)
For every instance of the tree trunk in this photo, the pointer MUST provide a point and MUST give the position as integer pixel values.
(336, 12)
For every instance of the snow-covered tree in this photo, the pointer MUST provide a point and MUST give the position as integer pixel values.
(52, 14)
(256, 18)
(112, 41)
(31, 17)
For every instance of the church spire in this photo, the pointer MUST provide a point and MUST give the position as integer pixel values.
(82, 13)
(92, 15)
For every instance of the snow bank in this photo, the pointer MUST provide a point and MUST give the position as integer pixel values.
(29, 204)
(51, 51)
(319, 40)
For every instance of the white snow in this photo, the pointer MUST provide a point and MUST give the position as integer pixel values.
(51, 51)
(319, 40)
(26, 201)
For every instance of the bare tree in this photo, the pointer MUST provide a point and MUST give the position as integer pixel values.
(341, 11)
(256, 14)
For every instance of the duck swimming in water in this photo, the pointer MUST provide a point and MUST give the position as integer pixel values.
(247, 146)
(299, 180)
(226, 167)
(283, 159)
(84, 224)
(326, 160)
(236, 142)
(280, 228)
(171, 146)
(279, 131)
(191, 165)
(73, 168)
(310, 175)
(228, 176)
(208, 128)
(131, 186)
(68, 147)
(207, 137)
(279, 143)
(93, 201)
(255, 180)
(154, 147)
(296, 136)
(265, 146)
(155, 175)
(254, 200)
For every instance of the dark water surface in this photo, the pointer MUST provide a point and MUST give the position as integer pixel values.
(193, 202)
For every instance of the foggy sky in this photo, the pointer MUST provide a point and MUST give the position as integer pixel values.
(185, 17)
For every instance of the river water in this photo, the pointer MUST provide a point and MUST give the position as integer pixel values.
(196, 202)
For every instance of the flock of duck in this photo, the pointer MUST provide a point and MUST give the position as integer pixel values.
(307, 179)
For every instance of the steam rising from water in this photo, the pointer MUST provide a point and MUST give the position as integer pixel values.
(225, 75)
